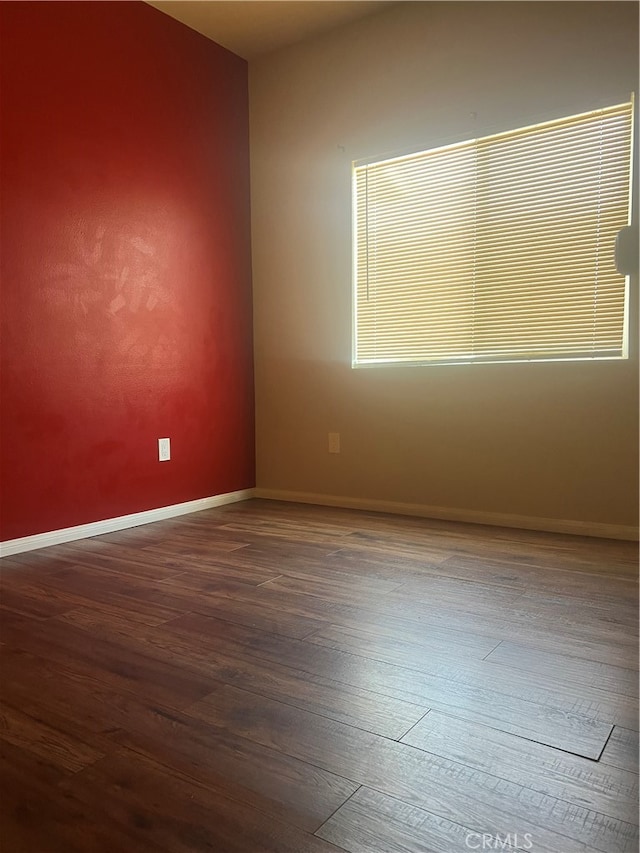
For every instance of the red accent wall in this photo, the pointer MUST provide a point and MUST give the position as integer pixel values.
(126, 267)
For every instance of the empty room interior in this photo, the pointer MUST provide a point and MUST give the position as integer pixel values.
(319, 441)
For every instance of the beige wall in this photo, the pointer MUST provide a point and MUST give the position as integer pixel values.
(547, 440)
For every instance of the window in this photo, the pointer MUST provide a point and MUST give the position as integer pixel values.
(496, 249)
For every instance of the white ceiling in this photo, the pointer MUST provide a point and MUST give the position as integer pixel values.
(253, 27)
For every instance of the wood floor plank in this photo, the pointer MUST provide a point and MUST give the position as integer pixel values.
(549, 723)
(265, 549)
(559, 581)
(115, 558)
(187, 546)
(164, 562)
(616, 679)
(394, 623)
(331, 582)
(255, 615)
(96, 712)
(287, 525)
(107, 594)
(411, 648)
(227, 662)
(406, 570)
(40, 560)
(371, 821)
(553, 639)
(295, 791)
(143, 534)
(436, 587)
(320, 542)
(27, 764)
(43, 740)
(9, 563)
(37, 817)
(400, 572)
(597, 704)
(131, 670)
(79, 699)
(394, 599)
(493, 622)
(442, 546)
(608, 643)
(29, 602)
(165, 599)
(71, 729)
(552, 772)
(313, 607)
(218, 582)
(202, 575)
(179, 814)
(448, 789)
(331, 586)
(598, 615)
(622, 749)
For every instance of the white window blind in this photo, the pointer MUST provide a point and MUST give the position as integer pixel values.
(499, 248)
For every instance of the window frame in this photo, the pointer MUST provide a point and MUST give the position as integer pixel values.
(510, 358)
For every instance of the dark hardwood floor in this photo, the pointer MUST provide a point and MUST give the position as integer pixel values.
(280, 678)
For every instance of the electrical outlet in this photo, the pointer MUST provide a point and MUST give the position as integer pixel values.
(334, 442)
(164, 449)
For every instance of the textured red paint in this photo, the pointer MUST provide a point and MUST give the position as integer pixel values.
(125, 264)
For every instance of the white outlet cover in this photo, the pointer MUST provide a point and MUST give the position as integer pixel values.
(164, 449)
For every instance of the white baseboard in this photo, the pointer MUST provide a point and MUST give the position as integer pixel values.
(109, 525)
(498, 519)
(524, 522)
